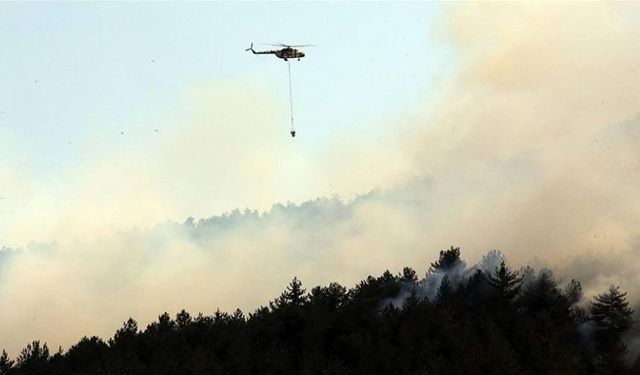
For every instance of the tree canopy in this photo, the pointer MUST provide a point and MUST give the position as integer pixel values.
(480, 321)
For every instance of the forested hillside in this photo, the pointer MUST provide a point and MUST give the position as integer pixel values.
(484, 319)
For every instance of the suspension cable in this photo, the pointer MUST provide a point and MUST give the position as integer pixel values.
(290, 98)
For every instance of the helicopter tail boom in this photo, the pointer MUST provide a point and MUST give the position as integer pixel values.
(260, 52)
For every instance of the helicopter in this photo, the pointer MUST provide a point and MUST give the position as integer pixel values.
(287, 52)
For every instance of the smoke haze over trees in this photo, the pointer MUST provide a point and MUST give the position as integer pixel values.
(455, 320)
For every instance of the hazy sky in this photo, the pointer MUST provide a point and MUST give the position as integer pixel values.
(512, 126)
(79, 74)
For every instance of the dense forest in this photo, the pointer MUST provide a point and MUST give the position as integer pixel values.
(484, 319)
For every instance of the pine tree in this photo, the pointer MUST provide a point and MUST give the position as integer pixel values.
(573, 291)
(125, 336)
(409, 275)
(34, 358)
(294, 295)
(183, 319)
(5, 363)
(164, 324)
(129, 328)
(332, 296)
(448, 260)
(612, 317)
(238, 316)
(505, 282)
(445, 290)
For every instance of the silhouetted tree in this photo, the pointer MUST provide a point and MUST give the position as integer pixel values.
(383, 325)
(505, 282)
(88, 352)
(34, 359)
(5, 363)
(332, 296)
(448, 259)
(612, 316)
(477, 288)
(164, 325)
(409, 275)
(445, 290)
(126, 333)
(183, 319)
(294, 295)
(573, 291)
(528, 275)
(545, 311)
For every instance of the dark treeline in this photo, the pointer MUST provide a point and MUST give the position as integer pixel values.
(486, 319)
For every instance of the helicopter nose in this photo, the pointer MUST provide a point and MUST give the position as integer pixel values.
(302, 54)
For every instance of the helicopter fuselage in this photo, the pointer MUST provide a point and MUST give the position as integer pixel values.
(289, 53)
(285, 53)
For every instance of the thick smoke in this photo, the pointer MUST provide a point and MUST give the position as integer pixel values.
(534, 147)
(60, 292)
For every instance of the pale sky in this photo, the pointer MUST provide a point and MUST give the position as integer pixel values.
(76, 75)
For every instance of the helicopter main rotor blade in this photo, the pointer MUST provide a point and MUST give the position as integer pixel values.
(294, 45)
(285, 45)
